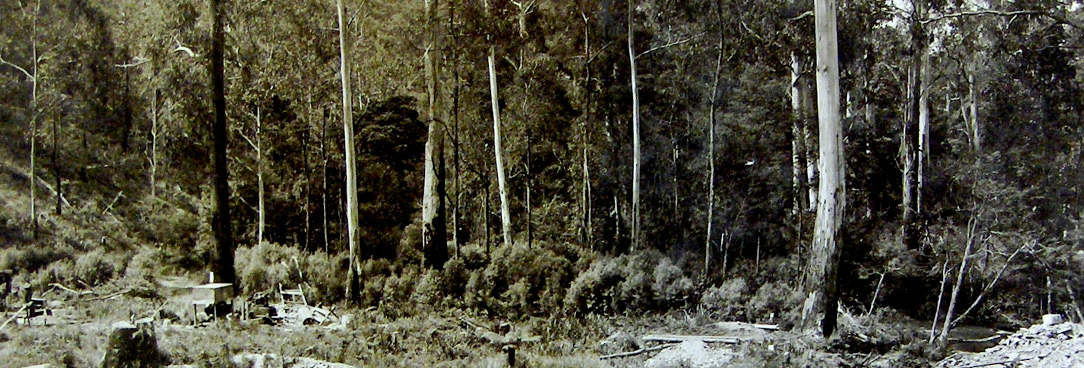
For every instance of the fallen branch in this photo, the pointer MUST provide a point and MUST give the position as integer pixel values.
(635, 352)
(13, 316)
(766, 327)
(976, 341)
(70, 290)
(684, 338)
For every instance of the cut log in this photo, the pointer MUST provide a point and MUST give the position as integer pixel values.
(636, 352)
(683, 338)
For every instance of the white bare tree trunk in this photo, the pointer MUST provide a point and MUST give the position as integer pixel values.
(259, 178)
(635, 137)
(923, 131)
(348, 148)
(711, 155)
(820, 304)
(154, 143)
(506, 217)
(972, 90)
(434, 243)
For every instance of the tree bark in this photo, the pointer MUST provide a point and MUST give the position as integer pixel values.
(636, 236)
(223, 262)
(455, 126)
(907, 141)
(809, 107)
(798, 162)
(434, 228)
(820, 304)
(351, 177)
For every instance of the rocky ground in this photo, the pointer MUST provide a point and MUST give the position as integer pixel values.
(1054, 345)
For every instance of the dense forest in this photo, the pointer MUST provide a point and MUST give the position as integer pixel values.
(534, 157)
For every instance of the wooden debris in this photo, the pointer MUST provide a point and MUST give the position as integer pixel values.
(636, 352)
(684, 338)
(13, 316)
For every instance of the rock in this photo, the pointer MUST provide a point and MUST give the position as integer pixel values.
(691, 353)
(132, 346)
(1053, 319)
(275, 361)
(1042, 345)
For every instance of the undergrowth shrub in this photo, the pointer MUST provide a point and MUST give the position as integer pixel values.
(638, 281)
(398, 289)
(95, 268)
(727, 299)
(776, 301)
(32, 258)
(536, 277)
(266, 266)
(671, 285)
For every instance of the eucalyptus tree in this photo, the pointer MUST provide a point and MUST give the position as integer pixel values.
(821, 286)
(222, 263)
(348, 148)
(434, 224)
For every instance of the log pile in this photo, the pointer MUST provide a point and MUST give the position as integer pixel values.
(1043, 345)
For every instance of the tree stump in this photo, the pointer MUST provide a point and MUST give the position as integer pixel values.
(132, 346)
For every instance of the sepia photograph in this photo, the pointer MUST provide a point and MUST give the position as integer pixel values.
(541, 183)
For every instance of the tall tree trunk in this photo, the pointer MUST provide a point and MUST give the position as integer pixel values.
(711, 155)
(506, 217)
(636, 236)
(530, 184)
(34, 118)
(820, 304)
(323, 182)
(223, 262)
(498, 152)
(923, 131)
(455, 126)
(972, 227)
(154, 144)
(812, 170)
(259, 177)
(973, 97)
(585, 201)
(56, 167)
(348, 147)
(911, 125)
(307, 244)
(434, 228)
(797, 145)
